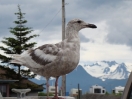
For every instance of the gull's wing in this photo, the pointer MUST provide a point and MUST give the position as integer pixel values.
(45, 54)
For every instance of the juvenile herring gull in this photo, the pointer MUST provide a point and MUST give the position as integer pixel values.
(55, 59)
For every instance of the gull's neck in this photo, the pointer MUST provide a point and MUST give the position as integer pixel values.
(71, 33)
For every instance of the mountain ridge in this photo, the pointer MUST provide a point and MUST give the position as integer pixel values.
(86, 79)
(107, 70)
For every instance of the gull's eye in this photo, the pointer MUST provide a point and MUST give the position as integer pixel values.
(78, 21)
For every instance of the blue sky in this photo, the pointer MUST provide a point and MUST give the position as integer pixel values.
(112, 40)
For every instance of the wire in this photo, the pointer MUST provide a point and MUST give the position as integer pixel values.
(52, 18)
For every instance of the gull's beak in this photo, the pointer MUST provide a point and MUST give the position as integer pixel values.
(91, 26)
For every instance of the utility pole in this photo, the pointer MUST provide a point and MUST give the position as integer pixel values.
(63, 37)
(63, 19)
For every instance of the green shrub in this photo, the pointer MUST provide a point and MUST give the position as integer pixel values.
(106, 93)
(44, 94)
(119, 94)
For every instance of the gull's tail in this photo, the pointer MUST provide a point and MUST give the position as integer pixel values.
(16, 62)
(17, 59)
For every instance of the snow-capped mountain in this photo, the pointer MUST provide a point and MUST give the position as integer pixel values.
(86, 80)
(108, 70)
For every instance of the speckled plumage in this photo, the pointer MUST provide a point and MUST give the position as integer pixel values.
(55, 59)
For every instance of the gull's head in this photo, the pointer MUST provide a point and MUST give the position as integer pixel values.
(80, 24)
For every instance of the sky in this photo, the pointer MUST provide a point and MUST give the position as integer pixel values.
(112, 40)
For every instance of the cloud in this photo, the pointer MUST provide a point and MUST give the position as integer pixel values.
(38, 14)
(116, 14)
(104, 51)
(118, 20)
(83, 38)
(120, 31)
(112, 17)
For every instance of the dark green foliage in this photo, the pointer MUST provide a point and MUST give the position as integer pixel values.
(17, 44)
(119, 94)
(106, 93)
(44, 94)
(3, 58)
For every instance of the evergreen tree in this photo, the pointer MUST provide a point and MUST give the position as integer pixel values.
(18, 43)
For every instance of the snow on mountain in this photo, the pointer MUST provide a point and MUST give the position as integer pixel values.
(121, 72)
(38, 77)
(108, 70)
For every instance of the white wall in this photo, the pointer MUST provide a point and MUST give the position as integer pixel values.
(92, 89)
(119, 89)
(52, 89)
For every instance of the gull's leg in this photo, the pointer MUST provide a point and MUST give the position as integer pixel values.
(56, 84)
(47, 85)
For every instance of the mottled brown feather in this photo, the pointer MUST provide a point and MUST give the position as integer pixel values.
(45, 49)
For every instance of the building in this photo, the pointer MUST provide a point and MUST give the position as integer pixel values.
(118, 89)
(4, 87)
(74, 92)
(7, 84)
(97, 89)
(52, 89)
